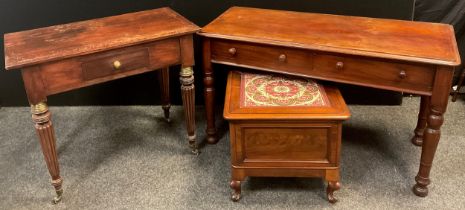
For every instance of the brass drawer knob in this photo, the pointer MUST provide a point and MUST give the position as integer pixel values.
(339, 65)
(282, 57)
(232, 51)
(117, 65)
(402, 74)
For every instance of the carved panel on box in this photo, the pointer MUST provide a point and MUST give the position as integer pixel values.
(280, 144)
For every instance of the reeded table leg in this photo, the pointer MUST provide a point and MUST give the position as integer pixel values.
(164, 81)
(209, 92)
(236, 186)
(421, 124)
(43, 125)
(188, 100)
(332, 186)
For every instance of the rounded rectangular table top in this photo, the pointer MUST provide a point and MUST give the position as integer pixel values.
(52, 43)
(432, 43)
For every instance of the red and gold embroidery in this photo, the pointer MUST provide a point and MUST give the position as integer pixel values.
(259, 90)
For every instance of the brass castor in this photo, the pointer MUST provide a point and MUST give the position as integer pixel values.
(58, 197)
(57, 184)
(193, 145)
(166, 112)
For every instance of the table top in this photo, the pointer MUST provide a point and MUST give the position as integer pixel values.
(423, 42)
(47, 44)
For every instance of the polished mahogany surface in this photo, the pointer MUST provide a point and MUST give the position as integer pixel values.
(67, 57)
(403, 56)
(403, 40)
(68, 40)
(284, 140)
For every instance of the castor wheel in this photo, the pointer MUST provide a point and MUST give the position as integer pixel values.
(332, 186)
(236, 186)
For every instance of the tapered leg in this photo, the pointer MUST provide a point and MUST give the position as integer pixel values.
(332, 186)
(43, 125)
(188, 101)
(236, 186)
(438, 105)
(209, 92)
(164, 81)
(459, 85)
(421, 124)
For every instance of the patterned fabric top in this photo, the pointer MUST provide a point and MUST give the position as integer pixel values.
(261, 90)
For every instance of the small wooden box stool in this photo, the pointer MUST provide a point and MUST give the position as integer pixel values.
(283, 127)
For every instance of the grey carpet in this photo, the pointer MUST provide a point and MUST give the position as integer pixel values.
(129, 158)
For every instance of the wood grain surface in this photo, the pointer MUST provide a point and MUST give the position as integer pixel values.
(403, 40)
(67, 57)
(286, 141)
(69, 40)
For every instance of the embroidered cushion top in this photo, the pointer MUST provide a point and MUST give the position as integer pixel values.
(261, 90)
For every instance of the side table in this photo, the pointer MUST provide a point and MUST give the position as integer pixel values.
(66, 57)
(404, 56)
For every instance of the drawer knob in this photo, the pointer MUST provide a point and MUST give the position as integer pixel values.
(402, 74)
(232, 51)
(117, 65)
(282, 57)
(339, 65)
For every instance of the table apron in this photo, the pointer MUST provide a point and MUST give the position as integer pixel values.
(416, 78)
(73, 73)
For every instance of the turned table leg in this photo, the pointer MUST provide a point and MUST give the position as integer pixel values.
(421, 124)
(209, 92)
(236, 187)
(188, 101)
(164, 81)
(430, 143)
(43, 125)
(438, 105)
(332, 186)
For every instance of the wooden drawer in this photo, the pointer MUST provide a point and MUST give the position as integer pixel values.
(363, 71)
(265, 57)
(114, 62)
(285, 144)
(356, 70)
(95, 68)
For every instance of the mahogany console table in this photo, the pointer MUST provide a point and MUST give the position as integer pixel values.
(65, 57)
(412, 57)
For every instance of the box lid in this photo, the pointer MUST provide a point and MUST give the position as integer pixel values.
(278, 97)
